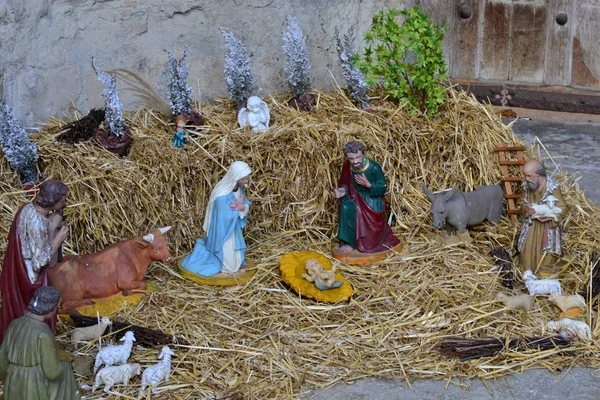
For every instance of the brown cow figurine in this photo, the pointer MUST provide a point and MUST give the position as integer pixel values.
(119, 267)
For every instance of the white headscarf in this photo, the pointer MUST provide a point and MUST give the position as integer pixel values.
(237, 170)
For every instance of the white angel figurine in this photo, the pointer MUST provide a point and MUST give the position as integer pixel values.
(256, 114)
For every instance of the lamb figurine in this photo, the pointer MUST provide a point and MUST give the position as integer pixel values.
(520, 302)
(158, 372)
(117, 374)
(111, 355)
(572, 328)
(90, 332)
(567, 302)
(540, 286)
(546, 209)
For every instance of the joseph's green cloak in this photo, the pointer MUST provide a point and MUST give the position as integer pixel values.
(373, 196)
(29, 364)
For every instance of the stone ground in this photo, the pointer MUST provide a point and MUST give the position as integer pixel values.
(573, 140)
(574, 145)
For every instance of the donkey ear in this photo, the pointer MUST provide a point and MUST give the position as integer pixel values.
(428, 193)
(449, 193)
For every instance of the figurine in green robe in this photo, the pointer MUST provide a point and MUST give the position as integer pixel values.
(362, 206)
(30, 363)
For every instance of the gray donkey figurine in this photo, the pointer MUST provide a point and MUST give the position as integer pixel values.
(457, 210)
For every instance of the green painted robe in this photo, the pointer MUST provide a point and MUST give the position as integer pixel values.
(29, 365)
(373, 198)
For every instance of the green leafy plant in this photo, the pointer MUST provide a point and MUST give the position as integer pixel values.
(406, 59)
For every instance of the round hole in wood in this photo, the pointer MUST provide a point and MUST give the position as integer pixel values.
(465, 12)
(561, 18)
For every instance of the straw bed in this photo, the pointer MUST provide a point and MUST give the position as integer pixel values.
(263, 341)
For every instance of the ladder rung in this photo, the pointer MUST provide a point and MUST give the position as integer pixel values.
(512, 179)
(510, 148)
(512, 196)
(515, 211)
(511, 162)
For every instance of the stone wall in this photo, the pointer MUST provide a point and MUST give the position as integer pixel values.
(47, 45)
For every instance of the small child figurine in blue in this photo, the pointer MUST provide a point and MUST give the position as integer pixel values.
(179, 138)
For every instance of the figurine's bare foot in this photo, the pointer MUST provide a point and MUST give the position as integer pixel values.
(346, 248)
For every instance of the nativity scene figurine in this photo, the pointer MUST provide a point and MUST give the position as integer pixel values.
(255, 115)
(540, 241)
(34, 241)
(322, 278)
(31, 366)
(221, 252)
(116, 270)
(363, 226)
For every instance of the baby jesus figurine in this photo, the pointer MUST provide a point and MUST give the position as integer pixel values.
(323, 279)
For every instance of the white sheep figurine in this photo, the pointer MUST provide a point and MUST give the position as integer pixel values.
(90, 332)
(111, 355)
(158, 372)
(116, 374)
(519, 302)
(572, 328)
(540, 286)
(567, 302)
(546, 209)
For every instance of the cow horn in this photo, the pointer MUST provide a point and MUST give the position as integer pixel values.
(149, 238)
(164, 230)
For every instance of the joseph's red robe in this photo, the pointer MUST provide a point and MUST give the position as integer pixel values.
(15, 285)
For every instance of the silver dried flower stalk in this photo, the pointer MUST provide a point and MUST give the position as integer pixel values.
(18, 149)
(357, 85)
(296, 65)
(113, 120)
(238, 76)
(180, 93)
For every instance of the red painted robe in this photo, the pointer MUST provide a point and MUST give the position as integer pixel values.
(15, 285)
(372, 233)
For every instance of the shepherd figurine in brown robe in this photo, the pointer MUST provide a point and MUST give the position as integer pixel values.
(540, 241)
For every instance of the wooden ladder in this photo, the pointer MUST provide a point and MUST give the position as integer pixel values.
(504, 161)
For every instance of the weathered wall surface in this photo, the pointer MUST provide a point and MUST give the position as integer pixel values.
(46, 45)
(546, 42)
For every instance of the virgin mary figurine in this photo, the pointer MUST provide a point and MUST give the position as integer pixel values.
(222, 249)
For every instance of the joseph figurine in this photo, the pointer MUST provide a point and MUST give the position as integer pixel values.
(540, 241)
(30, 363)
(360, 193)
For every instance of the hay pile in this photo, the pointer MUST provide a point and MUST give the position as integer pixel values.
(261, 340)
